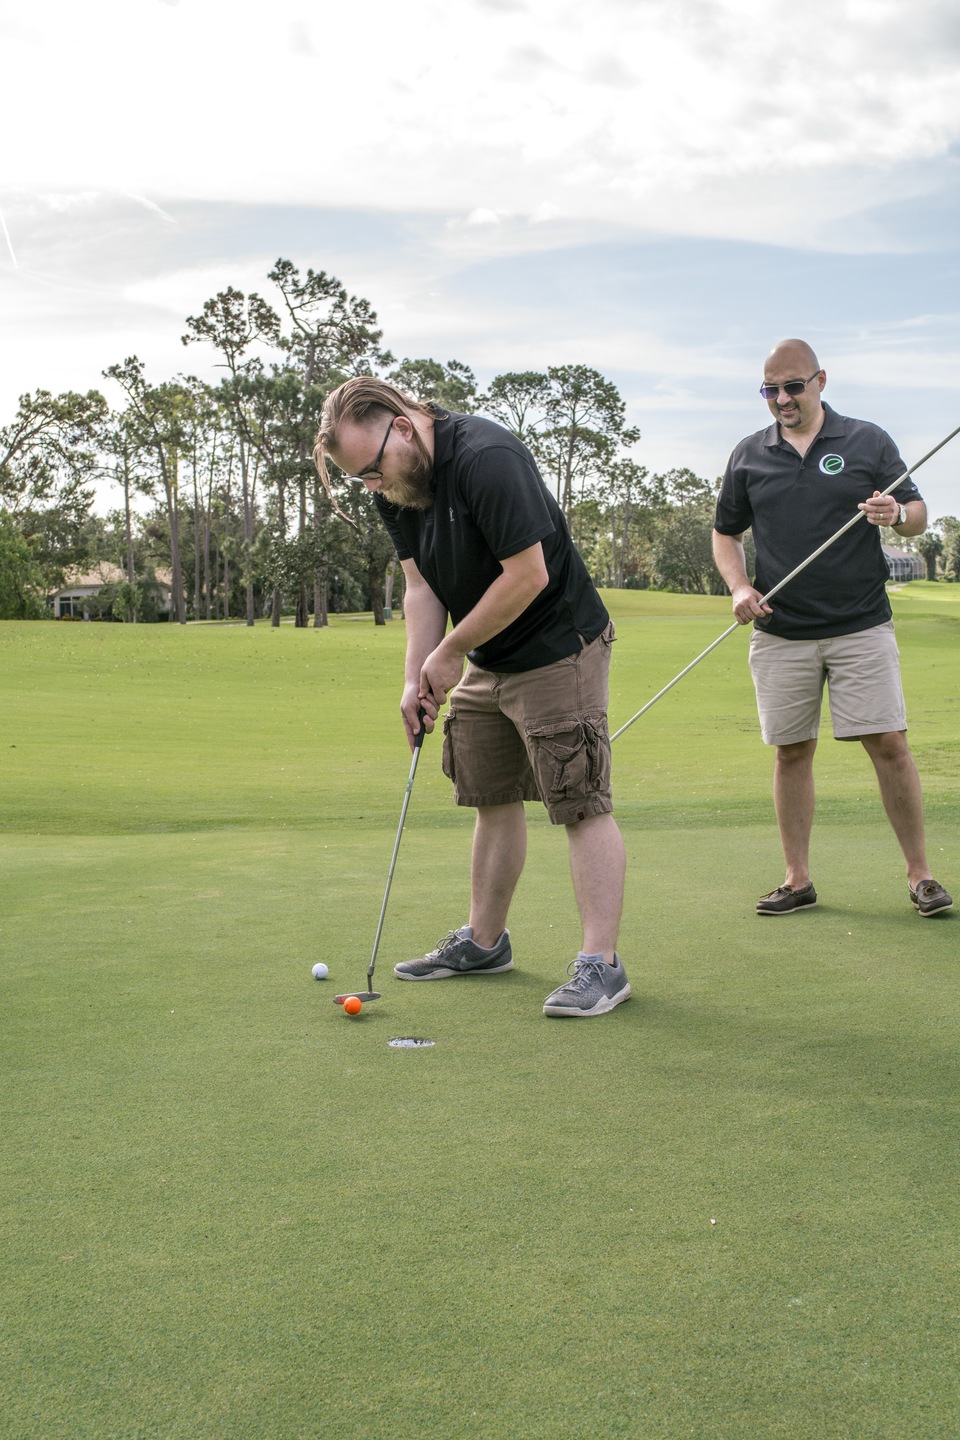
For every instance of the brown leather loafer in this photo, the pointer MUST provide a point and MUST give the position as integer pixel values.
(930, 897)
(786, 901)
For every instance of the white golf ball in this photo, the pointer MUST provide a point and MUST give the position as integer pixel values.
(320, 971)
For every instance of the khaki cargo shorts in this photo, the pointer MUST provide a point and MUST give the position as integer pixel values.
(861, 672)
(541, 735)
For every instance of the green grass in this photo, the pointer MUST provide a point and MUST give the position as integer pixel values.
(228, 1211)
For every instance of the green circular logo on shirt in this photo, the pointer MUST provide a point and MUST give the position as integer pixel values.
(831, 464)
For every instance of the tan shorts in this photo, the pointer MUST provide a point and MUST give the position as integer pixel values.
(861, 672)
(541, 735)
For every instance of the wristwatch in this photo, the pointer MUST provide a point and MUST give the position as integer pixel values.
(902, 517)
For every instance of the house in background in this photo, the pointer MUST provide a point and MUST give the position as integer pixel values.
(902, 565)
(72, 600)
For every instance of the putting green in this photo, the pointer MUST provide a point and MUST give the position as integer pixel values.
(727, 1210)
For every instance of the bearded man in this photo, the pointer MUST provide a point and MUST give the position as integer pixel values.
(484, 545)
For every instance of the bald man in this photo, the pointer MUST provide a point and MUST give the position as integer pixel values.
(794, 484)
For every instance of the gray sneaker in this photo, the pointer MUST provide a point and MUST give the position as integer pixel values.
(594, 988)
(458, 954)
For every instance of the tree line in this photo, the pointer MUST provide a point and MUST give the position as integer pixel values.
(215, 484)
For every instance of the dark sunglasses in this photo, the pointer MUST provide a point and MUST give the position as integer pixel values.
(792, 387)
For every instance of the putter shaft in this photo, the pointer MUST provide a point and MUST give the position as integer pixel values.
(417, 744)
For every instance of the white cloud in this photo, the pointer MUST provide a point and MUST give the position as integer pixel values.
(152, 205)
(544, 213)
(9, 242)
(301, 39)
(480, 145)
(498, 107)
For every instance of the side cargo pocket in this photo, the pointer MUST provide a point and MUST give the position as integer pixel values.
(447, 758)
(572, 758)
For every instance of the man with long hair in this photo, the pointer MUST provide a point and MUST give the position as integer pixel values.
(484, 544)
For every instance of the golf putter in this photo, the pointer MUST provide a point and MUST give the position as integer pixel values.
(370, 993)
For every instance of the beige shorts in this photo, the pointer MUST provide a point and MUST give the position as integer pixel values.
(540, 735)
(861, 672)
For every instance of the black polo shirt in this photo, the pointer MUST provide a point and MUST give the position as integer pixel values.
(794, 503)
(490, 502)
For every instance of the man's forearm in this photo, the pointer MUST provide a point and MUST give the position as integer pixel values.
(426, 620)
(502, 603)
(523, 577)
(730, 559)
(916, 521)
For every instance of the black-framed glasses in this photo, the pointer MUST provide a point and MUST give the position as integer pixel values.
(791, 387)
(369, 471)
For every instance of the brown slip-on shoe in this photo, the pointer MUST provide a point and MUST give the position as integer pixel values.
(786, 901)
(930, 897)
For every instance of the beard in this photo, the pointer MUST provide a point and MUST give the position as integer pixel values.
(414, 490)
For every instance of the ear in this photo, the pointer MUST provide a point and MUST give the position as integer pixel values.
(822, 380)
(404, 426)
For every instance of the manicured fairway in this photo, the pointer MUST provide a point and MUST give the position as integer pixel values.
(727, 1211)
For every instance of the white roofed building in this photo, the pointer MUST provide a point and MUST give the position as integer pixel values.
(72, 600)
(903, 565)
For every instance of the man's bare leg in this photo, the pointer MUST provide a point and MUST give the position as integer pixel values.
(598, 863)
(499, 850)
(794, 799)
(902, 797)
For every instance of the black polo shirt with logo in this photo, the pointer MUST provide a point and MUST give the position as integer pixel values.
(794, 503)
(490, 502)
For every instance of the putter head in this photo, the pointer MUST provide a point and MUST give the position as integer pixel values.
(362, 995)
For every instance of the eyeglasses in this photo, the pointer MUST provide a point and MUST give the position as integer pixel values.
(369, 471)
(791, 387)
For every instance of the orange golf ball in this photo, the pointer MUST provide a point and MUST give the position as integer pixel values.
(353, 1005)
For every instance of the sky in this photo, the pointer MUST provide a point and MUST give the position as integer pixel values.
(658, 189)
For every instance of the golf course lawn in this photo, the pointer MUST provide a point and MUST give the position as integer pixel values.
(729, 1210)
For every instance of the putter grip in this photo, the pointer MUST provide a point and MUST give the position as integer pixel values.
(418, 738)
